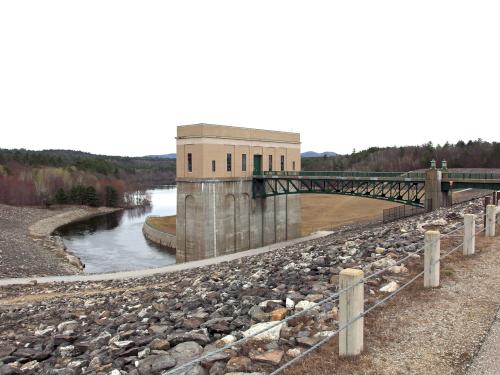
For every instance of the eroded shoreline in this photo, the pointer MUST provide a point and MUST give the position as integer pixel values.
(28, 246)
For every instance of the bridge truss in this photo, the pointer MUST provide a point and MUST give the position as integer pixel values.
(402, 191)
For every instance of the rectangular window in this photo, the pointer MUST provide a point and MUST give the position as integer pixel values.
(229, 162)
(190, 162)
(282, 162)
(270, 163)
(293, 165)
(213, 165)
(244, 162)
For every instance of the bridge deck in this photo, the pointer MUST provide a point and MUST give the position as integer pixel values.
(403, 187)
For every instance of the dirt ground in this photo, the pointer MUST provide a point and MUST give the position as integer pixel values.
(319, 212)
(425, 331)
(325, 212)
(163, 223)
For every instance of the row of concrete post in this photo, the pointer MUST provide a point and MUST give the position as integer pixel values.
(351, 301)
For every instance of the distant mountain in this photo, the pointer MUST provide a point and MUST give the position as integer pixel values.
(307, 154)
(164, 156)
(313, 154)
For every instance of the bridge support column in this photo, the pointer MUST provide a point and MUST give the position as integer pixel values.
(433, 194)
(219, 217)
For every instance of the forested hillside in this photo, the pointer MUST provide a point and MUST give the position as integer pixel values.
(63, 176)
(473, 154)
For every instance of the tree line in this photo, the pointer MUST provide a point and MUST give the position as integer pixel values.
(72, 177)
(472, 154)
(87, 196)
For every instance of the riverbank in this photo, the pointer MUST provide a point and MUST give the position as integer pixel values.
(28, 247)
(164, 320)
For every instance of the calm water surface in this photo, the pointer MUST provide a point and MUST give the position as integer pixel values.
(115, 242)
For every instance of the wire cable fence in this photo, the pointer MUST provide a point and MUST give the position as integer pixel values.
(340, 329)
(333, 297)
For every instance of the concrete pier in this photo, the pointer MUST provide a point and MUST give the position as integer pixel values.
(217, 217)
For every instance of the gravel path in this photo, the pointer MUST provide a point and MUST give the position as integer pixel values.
(487, 362)
(161, 270)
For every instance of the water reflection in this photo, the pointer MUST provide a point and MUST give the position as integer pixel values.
(115, 242)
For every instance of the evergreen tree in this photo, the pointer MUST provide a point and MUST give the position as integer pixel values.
(91, 198)
(111, 197)
(77, 195)
(61, 196)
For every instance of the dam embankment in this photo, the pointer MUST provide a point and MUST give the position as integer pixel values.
(158, 236)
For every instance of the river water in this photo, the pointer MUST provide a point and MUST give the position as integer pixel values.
(115, 242)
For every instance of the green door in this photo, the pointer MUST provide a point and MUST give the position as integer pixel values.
(257, 163)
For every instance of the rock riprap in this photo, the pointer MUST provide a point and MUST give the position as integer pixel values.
(149, 325)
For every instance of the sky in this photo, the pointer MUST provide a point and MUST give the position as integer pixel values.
(117, 77)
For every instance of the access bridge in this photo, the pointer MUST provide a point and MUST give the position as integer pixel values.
(429, 189)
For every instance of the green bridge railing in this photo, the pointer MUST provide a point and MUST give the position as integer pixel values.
(367, 174)
(357, 174)
(473, 176)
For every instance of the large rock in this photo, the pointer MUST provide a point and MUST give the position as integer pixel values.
(69, 325)
(272, 357)
(67, 351)
(272, 332)
(258, 314)
(100, 340)
(156, 363)
(279, 314)
(383, 263)
(159, 344)
(220, 325)
(303, 305)
(239, 364)
(219, 356)
(390, 287)
(200, 336)
(186, 352)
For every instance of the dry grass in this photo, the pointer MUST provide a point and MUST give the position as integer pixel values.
(163, 223)
(323, 211)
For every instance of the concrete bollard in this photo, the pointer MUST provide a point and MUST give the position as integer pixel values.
(491, 213)
(469, 234)
(432, 250)
(351, 305)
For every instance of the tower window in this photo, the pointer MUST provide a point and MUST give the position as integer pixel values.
(244, 162)
(190, 162)
(213, 165)
(270, 163)
(229, 162)
(293, 165)
(282, 162)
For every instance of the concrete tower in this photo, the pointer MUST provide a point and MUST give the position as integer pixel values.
(216, 213)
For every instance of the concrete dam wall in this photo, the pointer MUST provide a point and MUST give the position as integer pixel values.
(159, 237)
(217, 217)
